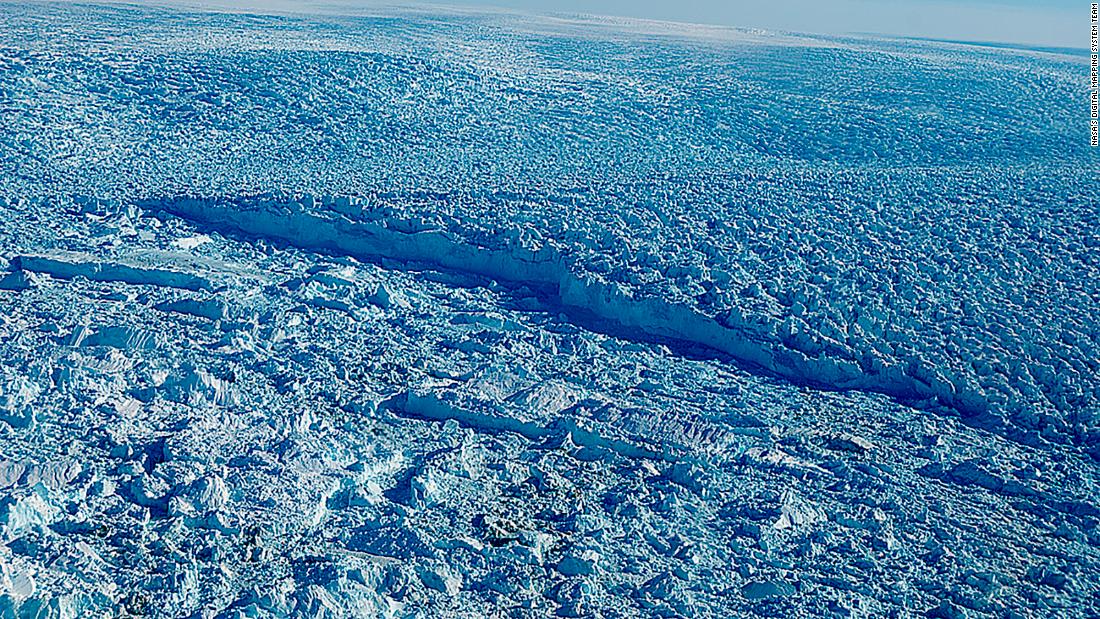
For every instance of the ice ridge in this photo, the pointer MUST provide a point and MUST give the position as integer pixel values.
(753, 344)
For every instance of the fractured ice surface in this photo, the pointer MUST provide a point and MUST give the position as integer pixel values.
(429, 314)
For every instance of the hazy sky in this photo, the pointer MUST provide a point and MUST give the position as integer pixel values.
(1062, 23)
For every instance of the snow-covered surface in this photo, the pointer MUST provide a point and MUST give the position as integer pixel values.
(452, 314)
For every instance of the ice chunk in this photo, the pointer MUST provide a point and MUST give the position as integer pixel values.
(191, 385)
(797, 511)
(32, 511)
(11, 473)
(386, 297)
(574, 565)
(779, 459)
(150, 491)
(19, 584)
(550, 397)
(70, 266)
(210, 494)
(17, 396)
(439, 578)
(45, 606)
(210, 309)
(52, 475)
(664, 586)
(121, 337)
(191, 242)
(760, 590)
(844, 441)
(16, 280)
(314, 601)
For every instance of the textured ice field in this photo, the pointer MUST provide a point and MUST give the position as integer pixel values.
(439, 314)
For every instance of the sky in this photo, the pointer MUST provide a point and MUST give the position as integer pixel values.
(1053, 23)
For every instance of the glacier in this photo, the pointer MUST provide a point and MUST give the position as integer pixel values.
(336, 312)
